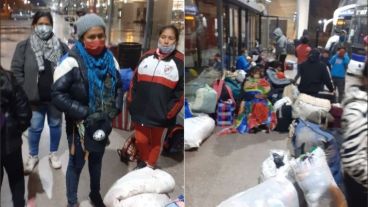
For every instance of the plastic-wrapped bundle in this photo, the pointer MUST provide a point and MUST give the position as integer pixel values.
(277, 164)
(205, 100)
(196, 130)
(315, 179)
(274, 192)
(137, 182)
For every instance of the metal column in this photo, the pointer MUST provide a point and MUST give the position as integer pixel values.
(148, 26)
(220, 21)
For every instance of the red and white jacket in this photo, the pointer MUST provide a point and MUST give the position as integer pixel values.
(156, 92)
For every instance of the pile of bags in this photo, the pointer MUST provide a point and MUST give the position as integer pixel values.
(141, 188)
(305, 181)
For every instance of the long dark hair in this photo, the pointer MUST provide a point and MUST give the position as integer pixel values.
(171, 26)
(40, 14)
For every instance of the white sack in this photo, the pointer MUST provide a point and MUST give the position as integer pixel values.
(145, 180)
(314, 178)
(274, 192)
(145, 200)
(205, 100)
(269, 168)
(196, 130)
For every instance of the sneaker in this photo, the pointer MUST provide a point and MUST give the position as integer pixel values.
(54, 160)
(96, 200)
(140, 164)
(30, 164)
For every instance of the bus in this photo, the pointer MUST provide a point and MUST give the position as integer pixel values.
(358, 30)
(341, 20)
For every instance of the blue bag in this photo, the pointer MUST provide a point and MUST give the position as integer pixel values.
(187, 112)
(126, 75)
(308, 135)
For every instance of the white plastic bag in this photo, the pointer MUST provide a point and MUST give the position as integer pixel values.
(145, 180)
(205, 100)
(314, 178)
(196, 130)
(278, 104)
(240, 75)
(291, 91)
(145, 200)
(277, 164)
(274, 192)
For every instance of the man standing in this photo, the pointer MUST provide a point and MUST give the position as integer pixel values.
(280, 45)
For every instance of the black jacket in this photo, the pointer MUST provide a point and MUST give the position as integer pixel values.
(15, 109)
(156, 91)
(313, 76)
(26, 70)
(70, 90)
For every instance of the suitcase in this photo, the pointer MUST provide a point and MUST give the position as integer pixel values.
(284, 118)
(123, 121)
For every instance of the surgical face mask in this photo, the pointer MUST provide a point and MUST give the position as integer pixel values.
(255, 57)
(43, 31)
(166, 49)
(256, 75)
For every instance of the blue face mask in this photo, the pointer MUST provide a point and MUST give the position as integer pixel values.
(166, 49)
(43, 31)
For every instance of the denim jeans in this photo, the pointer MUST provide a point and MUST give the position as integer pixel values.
(75, 166)
(37, 123)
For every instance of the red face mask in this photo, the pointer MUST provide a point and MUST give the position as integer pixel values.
(95, 47)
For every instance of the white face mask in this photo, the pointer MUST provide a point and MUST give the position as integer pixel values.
(255, 57)
(166, 49)
(43, 31)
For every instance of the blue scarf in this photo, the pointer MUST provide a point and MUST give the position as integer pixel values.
(98, 68)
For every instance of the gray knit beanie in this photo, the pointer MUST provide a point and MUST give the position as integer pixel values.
(84, 23)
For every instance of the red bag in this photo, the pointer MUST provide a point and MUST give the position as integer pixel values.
(336, 112)
(123, 121)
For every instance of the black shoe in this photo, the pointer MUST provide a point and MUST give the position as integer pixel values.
(96, 200)
(140, 164)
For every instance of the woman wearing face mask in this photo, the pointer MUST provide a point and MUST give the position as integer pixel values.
(156, 94)
(87, 88)
(33, 64)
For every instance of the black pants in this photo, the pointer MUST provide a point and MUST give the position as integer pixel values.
(282, 58)
(356, 194)
(13, 165)
(340, 85)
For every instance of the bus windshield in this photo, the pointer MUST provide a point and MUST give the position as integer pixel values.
(359, 29)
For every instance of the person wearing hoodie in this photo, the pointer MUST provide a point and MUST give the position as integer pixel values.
(339, 64)
(355, 138)
(280, 45)
(314, 75)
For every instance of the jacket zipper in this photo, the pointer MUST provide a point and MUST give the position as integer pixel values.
(153, 75)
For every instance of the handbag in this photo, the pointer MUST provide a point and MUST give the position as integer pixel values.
(129, 151)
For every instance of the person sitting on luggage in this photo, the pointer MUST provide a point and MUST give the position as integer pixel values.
(314, 75)
(242, 61)
(255, 111)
